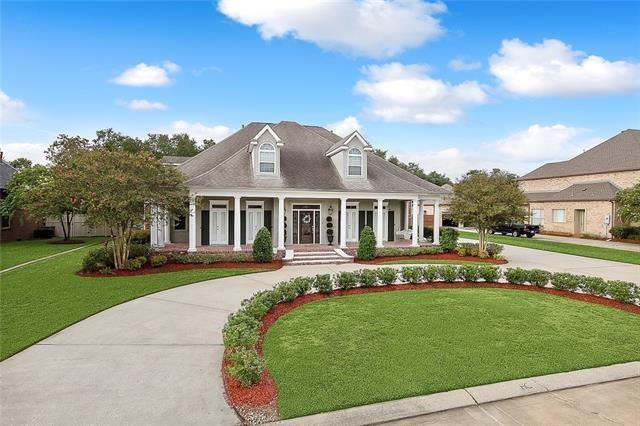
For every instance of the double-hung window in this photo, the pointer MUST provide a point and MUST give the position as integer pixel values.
(267, 158)
(558, 215)
(355, 162)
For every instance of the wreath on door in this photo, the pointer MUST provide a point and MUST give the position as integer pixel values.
(306, 219)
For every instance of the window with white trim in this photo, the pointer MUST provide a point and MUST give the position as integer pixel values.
(558, 215)
(355, 162)
(537, 216)
(267, 158)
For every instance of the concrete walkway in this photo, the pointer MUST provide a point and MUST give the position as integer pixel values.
(157, 359)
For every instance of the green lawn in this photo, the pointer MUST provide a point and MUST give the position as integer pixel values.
(604, 253)
(45, 297)
(17, 252)
(346, 351)
(433, 262)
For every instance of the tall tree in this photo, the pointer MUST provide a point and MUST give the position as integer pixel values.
(118, 186)
(21, 163)
(116, 141)
(414, 168)
(382, 153)
(486, 199)
(207, 143)
(65, 147)
(629, 204)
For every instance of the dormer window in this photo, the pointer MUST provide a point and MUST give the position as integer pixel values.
(355, 162)
(267, 158)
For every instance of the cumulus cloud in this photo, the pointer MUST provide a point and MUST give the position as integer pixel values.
(459, 64)
(199, 131)
(344, 126)
(406, 93)
(148, 75)
(366, 28)
(142, 105)
(11, 110)
(32, 151)
(554, 68)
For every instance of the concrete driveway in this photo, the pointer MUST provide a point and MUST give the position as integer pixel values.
(156, 359)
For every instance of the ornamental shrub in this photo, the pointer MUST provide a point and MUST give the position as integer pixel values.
(410, 251)
(255, 307)
(263, 246)
(134, 264)
(346, 280)
(623, 232)
(367, 278)
(468, 249)
(490, 273)
(386, 276)
(516, 275)
(240, 336)
(411, 274)
(538, 277)
(565, 281)
(470, 273)
(430, 273)
(287, 290)
(245, 366)
(448, 239)
(139, 250)
(448, 273)
(367, 244)
(158, 260)
(494, 250)
(242, 317)
(96, 259)
(322, 283)
(622, 291)
(302, 285)
(141, 236)
(593, 285)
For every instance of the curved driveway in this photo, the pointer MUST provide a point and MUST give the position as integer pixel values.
(156, 359)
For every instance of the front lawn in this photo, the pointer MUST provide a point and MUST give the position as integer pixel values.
(432, 262)
(42, 298)
(342, 352)
(616, 255)
(17, 252)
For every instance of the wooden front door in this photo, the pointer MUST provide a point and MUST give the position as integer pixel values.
(307, 222)
(579, 222)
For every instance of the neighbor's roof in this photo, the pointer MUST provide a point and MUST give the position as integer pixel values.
(590, 191)
(6, 172)
(619, 153)
(303, 165)
(174, 159)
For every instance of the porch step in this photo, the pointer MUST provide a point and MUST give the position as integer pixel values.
(338, 260)
(317, 258)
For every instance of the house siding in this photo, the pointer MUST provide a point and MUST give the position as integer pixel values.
(595, 212)
(620, 179)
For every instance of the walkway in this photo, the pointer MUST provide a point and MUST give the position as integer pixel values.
(156, 359)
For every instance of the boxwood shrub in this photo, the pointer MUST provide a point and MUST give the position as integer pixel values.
(263, 246)
(593, 285)
(411, 274)
(430, 273)
(538, 277)
(386, 276)
(158, 260)
(367, 278)
(245, 365)
(565, 281)
(516, 275)
(323, 283)
(490, 273)
(622, 291)
(346, 280)
(469, 273)
(367, 244)
(448, 273)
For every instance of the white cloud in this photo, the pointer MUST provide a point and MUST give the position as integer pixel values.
(459, 64)
(32, 151)
(148, 75)
(344, 126)
(142, 105)
(11, 110)
(553, 68)
(406, 93)
(367, 28)
(199, 131)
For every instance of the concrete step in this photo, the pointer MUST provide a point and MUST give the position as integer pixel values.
(315, 257)
(319, 261)
(313, 253)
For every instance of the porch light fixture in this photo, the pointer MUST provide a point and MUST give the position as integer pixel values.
(330, 210)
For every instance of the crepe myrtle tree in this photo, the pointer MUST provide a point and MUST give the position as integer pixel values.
(486, 199)
(629, 204)
(118, 186)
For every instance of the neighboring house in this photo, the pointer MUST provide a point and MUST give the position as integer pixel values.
(577, 196)
(18, 226)
(292, 178)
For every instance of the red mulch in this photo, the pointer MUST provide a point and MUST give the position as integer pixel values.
(441, 256)
(264, 393)
(172, 267)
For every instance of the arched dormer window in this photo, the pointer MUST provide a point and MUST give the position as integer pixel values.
(355, 162)
(267, 158)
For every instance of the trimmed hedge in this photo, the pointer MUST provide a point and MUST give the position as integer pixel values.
(241, 332)
(367, 244)
(410, 251)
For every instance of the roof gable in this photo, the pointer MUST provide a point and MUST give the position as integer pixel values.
(343, 143)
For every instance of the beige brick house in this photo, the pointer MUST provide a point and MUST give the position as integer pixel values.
(576, 196)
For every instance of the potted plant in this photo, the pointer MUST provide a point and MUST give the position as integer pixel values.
(330, 230)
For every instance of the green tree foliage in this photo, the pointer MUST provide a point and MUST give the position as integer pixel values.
(486, 199)
(367, 244)
(263, 246)
(65, 147)
(207, 143)
(116, 187)
(21, 163)
(414, 168)
(179, 144)
(629, 204)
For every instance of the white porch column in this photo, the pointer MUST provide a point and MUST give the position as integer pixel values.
(414, 227)
(236, 224)
(167, 228)
(343, 223)
(379, 225)
(436, 222)
(407, 215)
(421, 221)
(281, 222)
(192, 225)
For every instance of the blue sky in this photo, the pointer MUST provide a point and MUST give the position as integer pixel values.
(208, 68)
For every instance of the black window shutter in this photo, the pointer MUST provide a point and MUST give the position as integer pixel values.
(370, 219)
(267, 221)
(231, 219)
(243, 227)
(361, 221)
(390, 233)
(204, 227)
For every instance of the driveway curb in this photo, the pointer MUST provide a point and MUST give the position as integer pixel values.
(421, 405)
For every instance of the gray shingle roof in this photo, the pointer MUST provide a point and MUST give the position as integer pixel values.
(6, 173)
(619, 153)
(303, 165)
(343, 141)
(590, 191)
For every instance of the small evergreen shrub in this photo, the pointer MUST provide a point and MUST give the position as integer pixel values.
(448, 273)
(624, 232)
(263, 246)
(367, 244)
(622, 291)
(565, 281)
(593, 285)
(139, 250)
(141, 236)
(134, 264)
(411, 274)
(322, 283)
(302, 285)
(96, 259)
(242, 317)
(245, 366)
(470, 273)
(288, 291)
(538, 277)
(158, 260)
(240, 336)
(409, 251)
(430, 273)
(386, 276)
(490, 273)
(346, 280)
(468, 249)
(448, 239)
(367, 278)
(494, 250)
(516, 275)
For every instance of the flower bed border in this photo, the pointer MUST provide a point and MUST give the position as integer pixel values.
(175, 267)
(441, 256)
(259, 401)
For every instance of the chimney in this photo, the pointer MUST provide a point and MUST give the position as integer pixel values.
(1, 156)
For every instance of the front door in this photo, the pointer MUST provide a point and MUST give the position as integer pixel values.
(218, 231)
(255, 221)
(352, 224)
(307, 223)
(579, 222)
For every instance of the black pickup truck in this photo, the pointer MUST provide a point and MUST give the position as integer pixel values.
(516, 229)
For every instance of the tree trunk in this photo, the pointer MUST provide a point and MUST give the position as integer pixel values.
(121, 241)
(482, 240)
(64, 229)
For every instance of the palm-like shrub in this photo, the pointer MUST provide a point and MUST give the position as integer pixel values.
(263, 246)
(367, 244)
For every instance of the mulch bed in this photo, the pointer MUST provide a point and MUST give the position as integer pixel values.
(441, 256)
(257, 403)
(173, 267)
